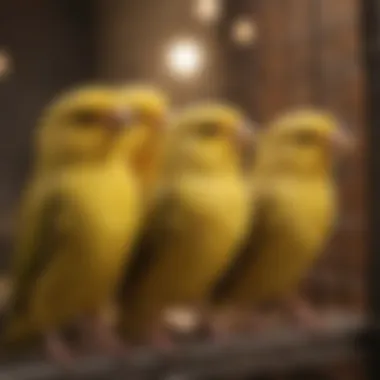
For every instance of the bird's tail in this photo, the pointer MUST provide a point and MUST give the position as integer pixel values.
(13, 330)
(132, 326)
(5, 324)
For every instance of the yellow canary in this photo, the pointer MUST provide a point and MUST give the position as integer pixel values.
(295, 195)
(198, 222)
(79, 216)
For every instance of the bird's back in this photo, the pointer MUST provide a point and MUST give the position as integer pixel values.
(297, 219)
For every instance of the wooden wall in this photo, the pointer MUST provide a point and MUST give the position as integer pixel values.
(308, 52)
(135, 35)
(52, 47)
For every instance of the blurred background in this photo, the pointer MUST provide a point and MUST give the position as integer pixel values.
(265, 55)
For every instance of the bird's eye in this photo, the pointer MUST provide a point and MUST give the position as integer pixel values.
(208, 130)
(84, 118)
(304, 138)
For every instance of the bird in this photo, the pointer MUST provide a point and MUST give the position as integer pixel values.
(78, 218)
(295, 196)
(192, 232)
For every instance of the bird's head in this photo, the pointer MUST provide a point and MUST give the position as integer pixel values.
(87, 125)
(210, 138)
(306, 142)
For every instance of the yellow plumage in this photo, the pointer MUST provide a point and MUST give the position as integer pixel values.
(79, 215)
(151, 106)
(294, 191)
(198, 222)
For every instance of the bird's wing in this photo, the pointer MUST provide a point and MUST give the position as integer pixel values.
(249, 251)
(48, 234)
(158, 228)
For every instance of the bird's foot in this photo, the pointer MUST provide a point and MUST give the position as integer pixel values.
(237, 323)
(108, 342)
(223, 325)
(99, 337)
(162, 340)
(57, 351)
(304, 315)
(219, 333)
(261, 322)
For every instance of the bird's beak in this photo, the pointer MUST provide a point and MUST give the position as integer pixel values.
(342, 141)
(245, 138)
(343, 145)
(245, 134)
(119, 119)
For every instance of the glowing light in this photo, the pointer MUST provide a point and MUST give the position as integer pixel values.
(244, 31)
(185, 58)
(5, 64)
(207, 11)
(182, 319)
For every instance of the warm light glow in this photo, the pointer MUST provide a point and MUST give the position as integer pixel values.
(207, 11)
(244, 31)
(5, 63)
(185, 58)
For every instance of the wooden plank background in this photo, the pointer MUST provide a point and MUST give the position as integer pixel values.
(308, 53)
